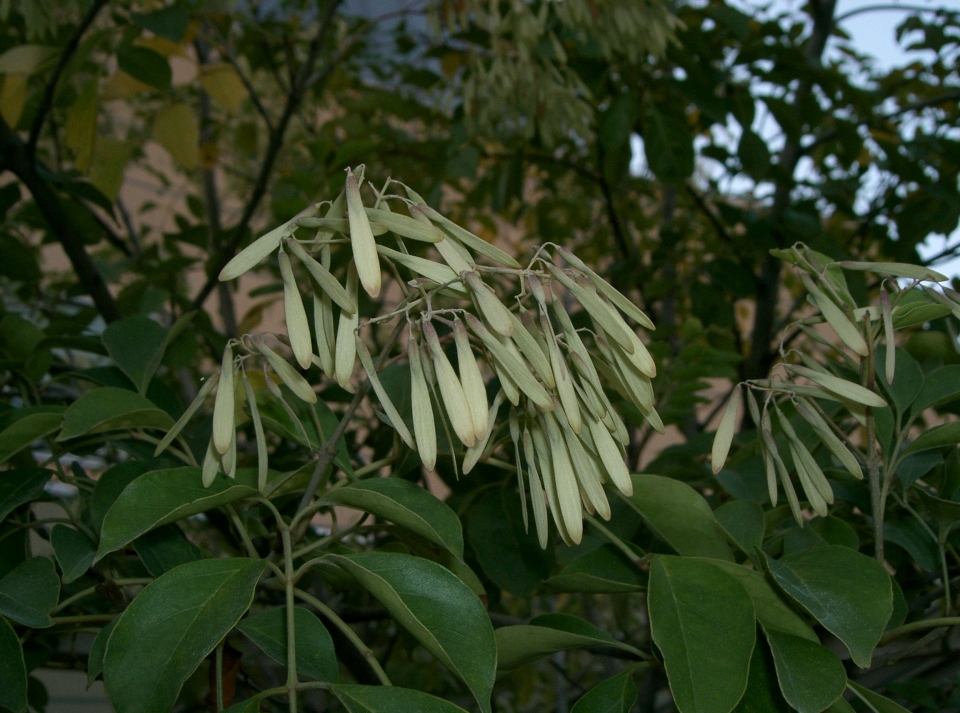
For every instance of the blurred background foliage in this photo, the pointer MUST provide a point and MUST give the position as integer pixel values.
(672, 145)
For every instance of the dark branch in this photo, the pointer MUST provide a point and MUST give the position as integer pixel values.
(46, 102)
(15, 157)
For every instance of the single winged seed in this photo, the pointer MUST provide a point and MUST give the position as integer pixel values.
(896, 269)
(545, 462)
(324, 330)
(537, 496)
(393, 415)
(451, 390)
(845, 329)
(346, 354)
(433, 271)
(229, 459)
(515, 437)
(453, 257)
(291, 414)
(474, 242)
(475, 452)
(202, 395)
(816, 501)
(568, 492)
(404, 226)
(890, 365)
(424, 428)
(562, 377)
(493, 310)
(753, 406)
(536, 289)
(223, 416)
(471, 379)
(262, 246)
(811, 477)
(828, 437)
(262, 454)
(610, 456)
(530, 348)
(608, 319)
(723, 438)
(608, 290)
(328, 283)
(508, 385)
(361, 239)
(585, 468)
(298, 329)
(290, 376)
(211, 465)
(771, 473)
(843, 388)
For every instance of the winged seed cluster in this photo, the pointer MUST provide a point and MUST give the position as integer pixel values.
(567, 438)
(859, 330)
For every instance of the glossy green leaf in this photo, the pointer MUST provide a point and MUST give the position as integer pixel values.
(763, 691)
(110, 409)
(849, 593)
(773, 613)
(946, 435)
(811, 677)
(316, 658)
(21, 486)
(914, 538)
(680, 515)
(146, 65)
(604, 570)
(30, 592)
(880, 704)
(13, 671)
(97, 650)
(841, 706)
(74, 551)
(703, 620)
(743, 521)
(615, 695)
(170, 627)
(33, 423)
(164, 548)
(136, 345)
(390, 699)
(161, 497)
(510, 557)
(940, 386)
(547, 634)
(945, 513)
(437, 608)
(407, 505)
(110, 485)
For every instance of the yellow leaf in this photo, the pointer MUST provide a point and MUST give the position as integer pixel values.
(224, 85)
(80, 132)
(13, 92)
(161, 45)
(110, 158)
(177, 131)
(25, 59)
(121, 85)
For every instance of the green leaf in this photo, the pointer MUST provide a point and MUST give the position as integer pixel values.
(164, 548)
(437, 608)
(547, 634)
(110, 409)
(907, 380)
(604, 570)
(33, 423)
(763, 693)
(13, 672)
(149, 67)
(841, 706)
(161, 497)
(510, 557)
(754, 155)
(668, 144)
(680, 515)
(136, 345)
(110, 485)
(849, 593)
(276, 419)
(880, 704)
(911, 536)
(18, 487)
(743, 521)
(74, 551)
(946, 513)
(315, 655)
(97, 650)
(704, 623)
(170, 627)
(407, 505)
(773, 613)
(617, 694)
(30, 592)
(390, 699)
(170, 22)
(811, 677)
(937, 437)
(939, 386)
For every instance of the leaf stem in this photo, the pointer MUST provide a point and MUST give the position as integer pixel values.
(918, 626)
(614, 540)
(291, 620)
(218, 663)
(93, 590)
